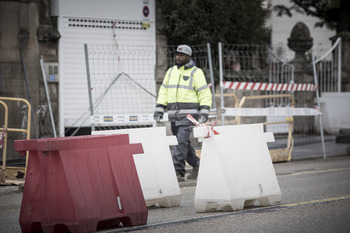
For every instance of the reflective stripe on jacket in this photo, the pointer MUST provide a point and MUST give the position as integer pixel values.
(184, 91)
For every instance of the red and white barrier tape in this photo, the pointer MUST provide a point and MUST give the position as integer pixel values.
(211, 130)
(268, 86)
(277, 111)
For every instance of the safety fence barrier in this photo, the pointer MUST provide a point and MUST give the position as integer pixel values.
(255, 73)
(327, 68)
(10, 171)
(235, 71)
(121, 87)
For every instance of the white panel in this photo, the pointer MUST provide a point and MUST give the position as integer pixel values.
(103, 9)
(335, 112)
(76, 31)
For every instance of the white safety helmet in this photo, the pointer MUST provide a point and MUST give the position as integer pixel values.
(185, 49)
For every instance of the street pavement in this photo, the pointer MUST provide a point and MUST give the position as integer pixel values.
(315, 198)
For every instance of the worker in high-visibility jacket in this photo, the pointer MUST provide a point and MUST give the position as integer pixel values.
(184, 91)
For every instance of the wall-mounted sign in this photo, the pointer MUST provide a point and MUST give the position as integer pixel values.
(145, 14)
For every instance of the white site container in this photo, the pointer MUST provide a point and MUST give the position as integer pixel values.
(235, 169)
(155, 167)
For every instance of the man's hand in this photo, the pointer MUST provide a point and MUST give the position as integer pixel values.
(158, 112)
(157, 119)
(203, 118)
(158, 116)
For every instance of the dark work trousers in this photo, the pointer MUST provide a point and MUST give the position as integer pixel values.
(183, 151)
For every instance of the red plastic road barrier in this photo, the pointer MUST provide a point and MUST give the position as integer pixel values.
(80, 184)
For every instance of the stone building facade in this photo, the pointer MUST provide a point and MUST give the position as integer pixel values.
(27, 32)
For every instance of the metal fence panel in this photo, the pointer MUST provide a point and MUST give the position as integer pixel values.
(247, 72)
(122, 85)
(328, 69)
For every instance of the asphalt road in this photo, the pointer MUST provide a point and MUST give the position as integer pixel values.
(315, 198)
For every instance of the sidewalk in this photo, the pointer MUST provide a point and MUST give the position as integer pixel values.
(312, 148)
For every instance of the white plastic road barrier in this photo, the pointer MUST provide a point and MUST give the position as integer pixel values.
(155, 167)
(235, 169)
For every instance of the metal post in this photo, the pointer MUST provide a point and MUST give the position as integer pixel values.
(221, 80)
(48, 96)
(318, 105)
(29, 98)
(212, 78)
(339, 64)
(89, 86)
(4, 142)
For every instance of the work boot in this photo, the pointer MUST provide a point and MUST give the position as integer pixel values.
(194, 173)
(180, 178)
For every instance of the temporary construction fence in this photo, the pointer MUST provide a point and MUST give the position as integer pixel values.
(121, 85)
(10, 172)
(327, 70)
(22, 79)
(252, 68)
(18, 80)
(255, 85)
(269, 83)
(284, 93)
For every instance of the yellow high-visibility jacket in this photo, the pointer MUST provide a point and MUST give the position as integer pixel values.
(184, 91)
